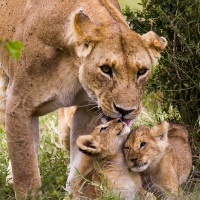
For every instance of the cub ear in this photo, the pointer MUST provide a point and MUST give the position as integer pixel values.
(88, 145)
(160, 131)
(82, 33)
(155, 45)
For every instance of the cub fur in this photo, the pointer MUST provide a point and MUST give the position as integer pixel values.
(161, 154)
(109, 167)
(65, 116)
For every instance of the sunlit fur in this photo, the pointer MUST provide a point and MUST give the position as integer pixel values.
(161, 154)
(104, 145)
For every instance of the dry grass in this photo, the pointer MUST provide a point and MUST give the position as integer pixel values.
(53, 164)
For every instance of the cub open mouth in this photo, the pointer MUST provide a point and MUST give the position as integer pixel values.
(107, 118)
(140, 167)
(142, 164)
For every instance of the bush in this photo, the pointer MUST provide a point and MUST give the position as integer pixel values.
(177, 78)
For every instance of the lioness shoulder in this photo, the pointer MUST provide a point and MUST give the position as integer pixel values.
(161, 154)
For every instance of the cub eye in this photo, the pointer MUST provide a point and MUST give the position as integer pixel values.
(141, 72)
(106, 69)
(127, 148)
(142, 144)
(103, 129)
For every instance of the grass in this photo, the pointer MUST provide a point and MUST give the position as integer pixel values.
(6, 191)
(53, 164)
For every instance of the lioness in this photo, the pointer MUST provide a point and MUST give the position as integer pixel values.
(161, 154)
(108, 166)
(75, 52)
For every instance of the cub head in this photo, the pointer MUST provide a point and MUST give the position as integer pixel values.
(115, 64)
(145, 146)
(106, 140)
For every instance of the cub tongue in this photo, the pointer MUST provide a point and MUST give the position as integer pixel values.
(127, 121)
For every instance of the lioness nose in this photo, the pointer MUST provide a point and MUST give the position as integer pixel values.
(122, 111)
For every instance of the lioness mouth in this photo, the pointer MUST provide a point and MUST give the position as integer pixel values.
(107, 118)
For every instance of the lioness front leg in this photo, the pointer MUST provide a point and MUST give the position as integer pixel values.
(22, 139)
(85, 119)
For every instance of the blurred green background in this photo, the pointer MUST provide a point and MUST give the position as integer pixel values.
(131, 3)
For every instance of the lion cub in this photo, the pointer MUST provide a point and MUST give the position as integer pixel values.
(105, 145)
(161, 154)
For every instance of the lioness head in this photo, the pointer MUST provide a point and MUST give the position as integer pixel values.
(106, 140)
(115, 63)
(145, 146)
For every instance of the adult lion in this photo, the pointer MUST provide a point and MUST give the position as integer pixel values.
(74, 51)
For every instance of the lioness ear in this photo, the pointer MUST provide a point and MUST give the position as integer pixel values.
(82, 33)
(160, 131)
(87, 144)
(155, 45)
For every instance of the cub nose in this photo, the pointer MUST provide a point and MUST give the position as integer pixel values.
(119, 120)
(134, 160)
(122, 111)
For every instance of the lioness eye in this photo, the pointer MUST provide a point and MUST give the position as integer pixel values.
(106, 69)
(103, 128)
(142, 144)
(127, 148)
(141, 72)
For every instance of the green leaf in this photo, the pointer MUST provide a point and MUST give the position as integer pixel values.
(153, 69)
(14, 48)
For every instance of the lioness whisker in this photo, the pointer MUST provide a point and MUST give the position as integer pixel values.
(96, 118)
(92, 101)
(94, 107)
(99, 116)
(98, 110)
(86, 105)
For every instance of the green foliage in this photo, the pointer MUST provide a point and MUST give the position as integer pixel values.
(178, 74)
(52, 162)
(177, 78)
(14, 48)
(131, 3)
(6, 190)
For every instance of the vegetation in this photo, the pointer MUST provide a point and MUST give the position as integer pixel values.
(53, 163)
(14, 48)
(174, 90)
(176, 81)
(173, 93)
(131, 3)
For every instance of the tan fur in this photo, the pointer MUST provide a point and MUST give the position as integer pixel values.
(3, 88)
(65, 45)
(109, 167)
(164, 160)
(65, 116)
